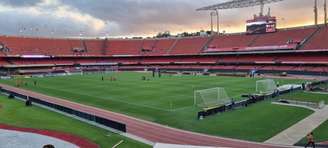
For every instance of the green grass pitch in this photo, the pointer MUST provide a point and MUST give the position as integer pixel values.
(314, 97)
(169, 101)
(320, 134)
(14, 112)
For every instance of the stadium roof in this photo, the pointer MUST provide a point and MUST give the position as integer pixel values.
(238, 4)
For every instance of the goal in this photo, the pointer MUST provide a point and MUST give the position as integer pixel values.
(267, 86)
(213, 97)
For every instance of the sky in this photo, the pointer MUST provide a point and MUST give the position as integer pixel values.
(127, 18)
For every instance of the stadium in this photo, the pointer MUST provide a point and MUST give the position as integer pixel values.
(264, 87)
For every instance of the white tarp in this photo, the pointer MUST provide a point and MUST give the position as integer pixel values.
(17, 139)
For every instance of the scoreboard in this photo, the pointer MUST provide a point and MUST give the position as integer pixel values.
(261, 24)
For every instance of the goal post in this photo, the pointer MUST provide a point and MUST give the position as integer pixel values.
(267, 86)
(212, 97)
(111, 69)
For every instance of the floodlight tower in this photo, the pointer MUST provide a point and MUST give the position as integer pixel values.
(262, 7)
(212, 14)
(315, 12)
(325, 11)
(233, 4)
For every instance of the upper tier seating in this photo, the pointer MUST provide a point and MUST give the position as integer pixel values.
(124, 47)
(40, 46)
(230, 42)
(157, 47)
(95, 47)
(286, 39)
(189, 46)
(318, 41)
(282, 39)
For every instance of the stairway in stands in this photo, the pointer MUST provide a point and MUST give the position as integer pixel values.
(84, 45)
(141, 48)
(253, 41)
(104, 47)
(309, 38)
(172, 47)
(209, 41)
(155, 46)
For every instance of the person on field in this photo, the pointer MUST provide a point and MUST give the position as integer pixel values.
(28, 102)
(153, 70)
(159, 73)
(310, 140)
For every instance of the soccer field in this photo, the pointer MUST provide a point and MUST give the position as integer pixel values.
(169, 93)
(169, 101)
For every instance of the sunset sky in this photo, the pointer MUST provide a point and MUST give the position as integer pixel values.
(90, 18)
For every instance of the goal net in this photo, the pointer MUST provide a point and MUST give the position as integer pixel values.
(211, 97)
(111, 69)
(267, 86)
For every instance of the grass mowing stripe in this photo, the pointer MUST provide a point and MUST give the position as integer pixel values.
(87, 95)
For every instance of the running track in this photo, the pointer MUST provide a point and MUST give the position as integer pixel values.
(145, 129)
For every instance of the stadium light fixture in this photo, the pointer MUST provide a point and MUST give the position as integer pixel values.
(238, 4)
(234, 4)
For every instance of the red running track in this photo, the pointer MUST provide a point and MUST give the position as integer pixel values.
(78, 141)
(153, 132)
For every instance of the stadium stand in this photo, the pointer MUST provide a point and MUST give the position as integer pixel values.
(157, 47)
(319, 41)
(226, 43)
(294, 50)
(189, 46)
(283, 39)
(124, 47)
(94, 47)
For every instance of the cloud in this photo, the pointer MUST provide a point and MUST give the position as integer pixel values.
(147, 16)
(133, 17)
(19, 3)
(52, 17)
